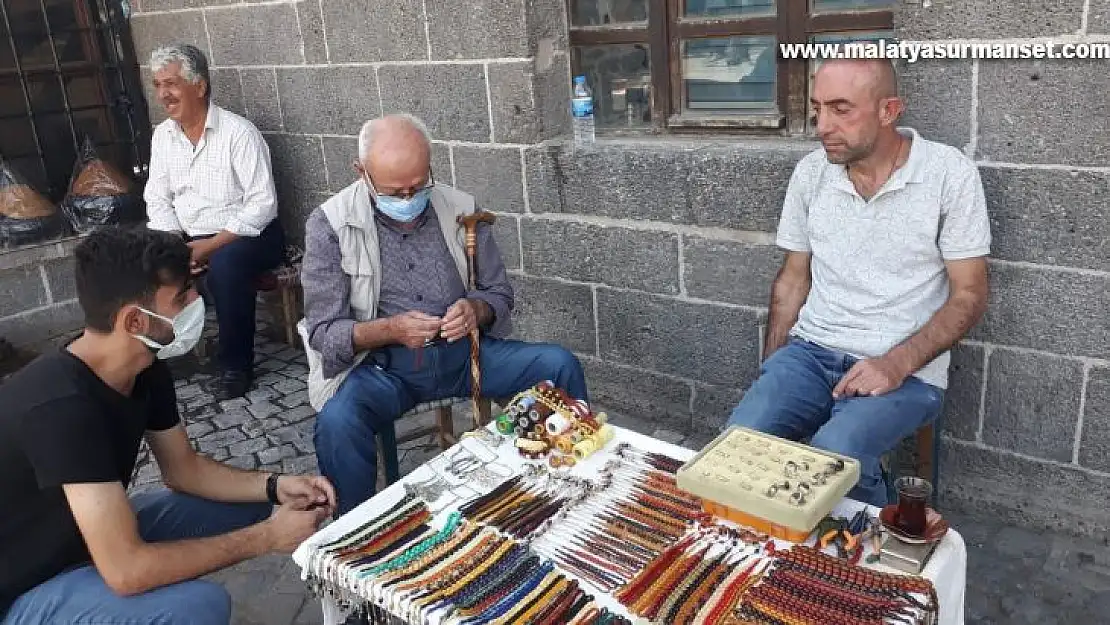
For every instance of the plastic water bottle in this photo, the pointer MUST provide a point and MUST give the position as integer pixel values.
(582, 110)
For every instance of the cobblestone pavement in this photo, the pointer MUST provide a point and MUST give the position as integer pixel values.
(1015, 576)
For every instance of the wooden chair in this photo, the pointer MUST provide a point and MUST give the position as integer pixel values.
(389, 466)
(285, 280)
(927, 464)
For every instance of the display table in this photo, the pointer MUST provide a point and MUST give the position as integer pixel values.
(946, 569)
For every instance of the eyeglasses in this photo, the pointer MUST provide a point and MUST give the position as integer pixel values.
(403, 193)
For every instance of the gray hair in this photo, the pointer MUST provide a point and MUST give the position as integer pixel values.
(368, 133)
(194, 65)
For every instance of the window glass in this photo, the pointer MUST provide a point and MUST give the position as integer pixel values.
(728, 74)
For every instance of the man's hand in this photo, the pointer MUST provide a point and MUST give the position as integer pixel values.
(202, 250)
(413, 329)
(873, 376)
(302, 492)
(462, 317)
(288, 527)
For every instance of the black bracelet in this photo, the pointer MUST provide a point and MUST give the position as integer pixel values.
(271, 488)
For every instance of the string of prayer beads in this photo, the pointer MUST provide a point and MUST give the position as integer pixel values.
(678, 586)
(628, 518)
(506, 557)
(808, 587)
(462, 573)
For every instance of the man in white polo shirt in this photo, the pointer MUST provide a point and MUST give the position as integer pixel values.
(886, 236)
(210, 179)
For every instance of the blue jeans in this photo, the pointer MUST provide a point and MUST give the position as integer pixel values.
(792, 398)
(80, 596)
(393, 380)
(229, 286)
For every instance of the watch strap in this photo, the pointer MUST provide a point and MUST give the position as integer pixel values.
(271, 488)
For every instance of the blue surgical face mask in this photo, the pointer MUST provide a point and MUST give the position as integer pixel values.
(400, 209)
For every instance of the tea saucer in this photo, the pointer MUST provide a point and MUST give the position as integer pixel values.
(935, 526)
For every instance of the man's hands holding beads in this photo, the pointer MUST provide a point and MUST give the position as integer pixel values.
(288, 527)
(305, 502)
(462, 317)
(413, 329)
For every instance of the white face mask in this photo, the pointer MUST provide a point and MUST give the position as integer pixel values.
(188, 326)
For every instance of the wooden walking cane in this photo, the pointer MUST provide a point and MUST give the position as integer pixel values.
(470, 223)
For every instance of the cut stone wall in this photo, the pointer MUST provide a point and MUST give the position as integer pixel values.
(652, 258)
(1027, 423)
(40, 295)
(489, 81)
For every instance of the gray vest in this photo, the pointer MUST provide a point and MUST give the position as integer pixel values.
(351, 216)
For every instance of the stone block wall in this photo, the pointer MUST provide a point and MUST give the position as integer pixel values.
(652, 258)
(40, 294)
(489, 78)
(1027, 430)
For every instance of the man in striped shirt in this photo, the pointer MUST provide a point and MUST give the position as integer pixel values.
(210, 179)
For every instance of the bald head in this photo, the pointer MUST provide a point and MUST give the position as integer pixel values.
(395, 151)
(874, 77)
(857, 105)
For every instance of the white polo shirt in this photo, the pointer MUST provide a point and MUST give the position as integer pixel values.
(877, 266)
(223, 183)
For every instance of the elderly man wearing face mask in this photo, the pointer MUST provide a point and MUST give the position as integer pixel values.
(387, 310)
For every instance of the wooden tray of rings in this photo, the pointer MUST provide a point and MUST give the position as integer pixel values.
(770, 484)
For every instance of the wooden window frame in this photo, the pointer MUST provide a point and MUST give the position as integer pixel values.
(100, 31)
(666, 28)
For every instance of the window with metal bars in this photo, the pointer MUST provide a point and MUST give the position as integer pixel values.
(67, 73)
(659, 66)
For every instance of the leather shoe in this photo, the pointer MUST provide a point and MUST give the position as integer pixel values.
(234, 384)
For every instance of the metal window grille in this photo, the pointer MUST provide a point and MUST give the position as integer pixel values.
(68, 71)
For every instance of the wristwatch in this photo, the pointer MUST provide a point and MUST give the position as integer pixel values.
(271, 488)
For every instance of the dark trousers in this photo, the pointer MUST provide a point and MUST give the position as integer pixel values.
(229, 286)
(395, 379)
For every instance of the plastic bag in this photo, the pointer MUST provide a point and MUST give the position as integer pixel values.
(99, 194)
(26, 216)
(18, 200)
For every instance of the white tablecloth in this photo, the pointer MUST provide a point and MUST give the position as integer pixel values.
(947, 568)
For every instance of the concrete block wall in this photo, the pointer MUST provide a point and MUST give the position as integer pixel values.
(489, 78)
(1027, 431)
(40, 293)
(652, 258)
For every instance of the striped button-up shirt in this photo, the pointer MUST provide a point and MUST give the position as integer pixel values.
(222, 183)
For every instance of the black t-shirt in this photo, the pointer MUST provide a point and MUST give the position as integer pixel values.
(61, 424)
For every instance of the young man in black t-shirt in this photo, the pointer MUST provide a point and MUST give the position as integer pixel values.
(73, 547)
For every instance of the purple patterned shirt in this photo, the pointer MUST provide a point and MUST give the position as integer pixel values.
(418, 273)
